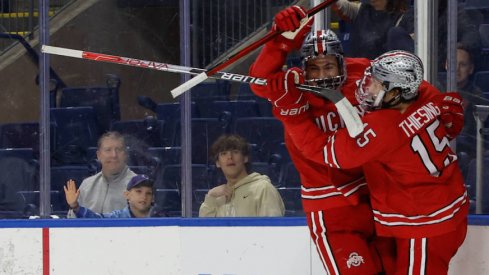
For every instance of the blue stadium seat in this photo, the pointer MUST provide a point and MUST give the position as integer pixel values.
(199, 197)
(265, 107)
(146, 133)
(265, 132)
(20, 135)
(281, 152)
(61, 174)
(244, 92)
(485, 95)
(442, 79)
(75, 130)
(216, 89)
(483, 60)
(234, 109)
(270, 170)
(169, 201)
(166, 155)
(104, 100)
(31, 202)
(484, 34)
(292, 201)
(481, 79)
(202, 177)
(476, 4)
(92, 161)
(143, 169)
(205, 93)
(204, 132)
(170, 113)
(290, 176)
(16, 174)
(26, 154)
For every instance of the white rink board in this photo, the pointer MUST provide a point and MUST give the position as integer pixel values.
(186, 247)
(115, 250)
(21, 251)
(244, 250)
(473, 256)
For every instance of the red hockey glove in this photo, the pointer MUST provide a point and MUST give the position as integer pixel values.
(452, 112)
(294, 25)
(289, 18)
(282, 90)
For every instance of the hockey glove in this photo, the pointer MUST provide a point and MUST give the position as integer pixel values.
(452, 112)
(294, 25)
(282, 90)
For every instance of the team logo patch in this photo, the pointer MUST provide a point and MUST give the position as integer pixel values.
(354, 260)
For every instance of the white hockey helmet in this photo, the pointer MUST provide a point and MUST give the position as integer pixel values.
(394, 69)
(324, 42)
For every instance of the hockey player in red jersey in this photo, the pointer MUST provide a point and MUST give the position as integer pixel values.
(335, 201)
(416, 187)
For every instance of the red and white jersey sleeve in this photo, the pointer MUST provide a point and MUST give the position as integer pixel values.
(270, 61)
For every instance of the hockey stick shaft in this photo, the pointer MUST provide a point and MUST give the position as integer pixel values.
(233, 58)
(346, 110)
(146, 64)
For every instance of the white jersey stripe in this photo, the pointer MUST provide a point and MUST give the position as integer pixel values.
(423, 256)
(459, 201)
(316, 240)
(326, 245)
(411, 257)
(333, 153)
(444, 218)
(355, 189)
(321, 196)
(414, 257)
(310, 189)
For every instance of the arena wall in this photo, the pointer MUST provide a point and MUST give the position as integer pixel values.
(185, 246)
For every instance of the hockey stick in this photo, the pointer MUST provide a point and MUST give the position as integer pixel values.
(349, 114)
(231, 59)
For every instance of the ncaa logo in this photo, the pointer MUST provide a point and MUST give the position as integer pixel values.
(354, 260)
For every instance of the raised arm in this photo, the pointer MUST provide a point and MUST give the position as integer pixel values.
(273, 55)
(347, 9)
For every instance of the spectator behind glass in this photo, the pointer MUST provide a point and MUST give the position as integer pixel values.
(139, 196)
(243, 195)
(467, 31)
(103, 192)
(471, 94)
(371, 23)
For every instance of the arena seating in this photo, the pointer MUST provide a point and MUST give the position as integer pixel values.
(75, 130)
(104, 100)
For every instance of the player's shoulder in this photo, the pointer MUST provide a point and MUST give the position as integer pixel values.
(427, 91)
(356, 63)
(383, 119)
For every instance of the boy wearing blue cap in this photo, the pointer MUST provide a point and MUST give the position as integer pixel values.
(139, 196)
